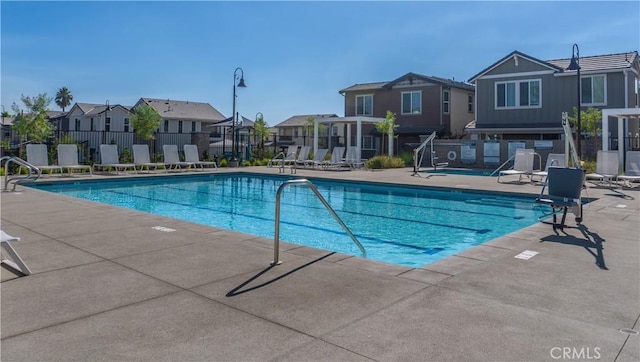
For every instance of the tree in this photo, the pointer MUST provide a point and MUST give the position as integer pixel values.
(590, 121)
(387, 127)
(32, 125)
(64, 98)
(309, 127)
(145, 121)
(261, 131)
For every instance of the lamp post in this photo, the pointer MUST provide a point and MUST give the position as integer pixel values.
(575, 65)
(259, 116)
(234, 117)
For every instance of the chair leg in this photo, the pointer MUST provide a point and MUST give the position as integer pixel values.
(15, 262)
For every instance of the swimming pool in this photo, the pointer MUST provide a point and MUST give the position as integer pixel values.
(410, 226)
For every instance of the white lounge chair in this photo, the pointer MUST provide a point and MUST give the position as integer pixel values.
(631, 168)
(286, 159)
(352, 159)
(606, 167)
(142, 159)
(318, 158)
(191, 154)
(172, 159)
(553, 159)
(337, 158)
(303, 156)
(522, 164)
(38, 155)
(109, 158)
(15, 262)
(68, 159)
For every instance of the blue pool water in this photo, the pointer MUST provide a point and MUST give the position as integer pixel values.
(402, 225)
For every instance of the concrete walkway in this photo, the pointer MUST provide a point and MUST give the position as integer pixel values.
(106, 285)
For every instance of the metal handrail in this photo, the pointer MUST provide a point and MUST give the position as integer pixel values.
(276, 239)
(32, 169)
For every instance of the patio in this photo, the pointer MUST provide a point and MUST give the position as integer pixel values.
(106, 285)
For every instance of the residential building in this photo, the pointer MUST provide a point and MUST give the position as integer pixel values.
(422, 104)
(183, 116)
(95, 117)
(298, 130)
(522, 97)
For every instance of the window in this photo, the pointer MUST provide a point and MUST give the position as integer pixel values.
(470, 106)
(92, 125)
(364, 105)
(593, 90)
(295, 131)
(166, 126)
(179, 126)
(77, 124)
(412, 102)
(518, 94)
(445, 101)
(334, 131)
(193, 126)
(126, 124)
(368, 143)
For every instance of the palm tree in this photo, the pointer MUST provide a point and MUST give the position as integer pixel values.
(63, 98)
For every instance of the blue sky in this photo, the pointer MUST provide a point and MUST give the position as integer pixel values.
(296, 56)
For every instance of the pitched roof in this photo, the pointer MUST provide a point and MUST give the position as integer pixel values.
(169, 108)
(599, 62)
(587, 64)
(411, 76)
(301, 120)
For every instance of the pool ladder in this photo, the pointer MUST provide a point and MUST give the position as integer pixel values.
(34, 172)
(276, 239)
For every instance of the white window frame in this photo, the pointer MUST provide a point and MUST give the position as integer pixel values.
(77, 124)
(363, 97)
(126, 125)
(470, 105)
(180, 129)
(107, 124)
(411, 105)
(368, 143)
(446, 103)
(193, 126)
(166, 126)
(517, 94)
(582, 78)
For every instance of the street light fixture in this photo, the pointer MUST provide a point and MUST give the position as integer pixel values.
(575, 65)
(234, 116)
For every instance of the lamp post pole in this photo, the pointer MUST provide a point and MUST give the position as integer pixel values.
(259, 116)
(575, 65)
(233, 116)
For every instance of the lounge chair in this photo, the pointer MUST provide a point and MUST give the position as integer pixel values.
(352, 159)
(522, 164)
(287, 158)
(38, 156)
(68, 159)
(606, 167)
(337, 158)
(564, 186)
(109, 158)
(553, 159)
(142, 159)
(15, 262)
(303, 156)
(191, 154)
(631, 168)
(318, 158)
(172, 159)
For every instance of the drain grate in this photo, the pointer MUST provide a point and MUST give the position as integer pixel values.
(629, 331)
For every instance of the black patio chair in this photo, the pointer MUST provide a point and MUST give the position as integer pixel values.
(564, 186)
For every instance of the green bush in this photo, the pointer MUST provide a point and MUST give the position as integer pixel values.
(407, 157)
(589, 166)
(380, 162)
(223, 163)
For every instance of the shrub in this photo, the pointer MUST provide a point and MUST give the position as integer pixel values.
(380, 162)
(589, 166)
(223, 163)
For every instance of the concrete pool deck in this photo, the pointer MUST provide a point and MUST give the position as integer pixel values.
(106, 285)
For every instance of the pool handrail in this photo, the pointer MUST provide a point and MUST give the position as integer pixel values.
(33, 170)
(276, 239)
